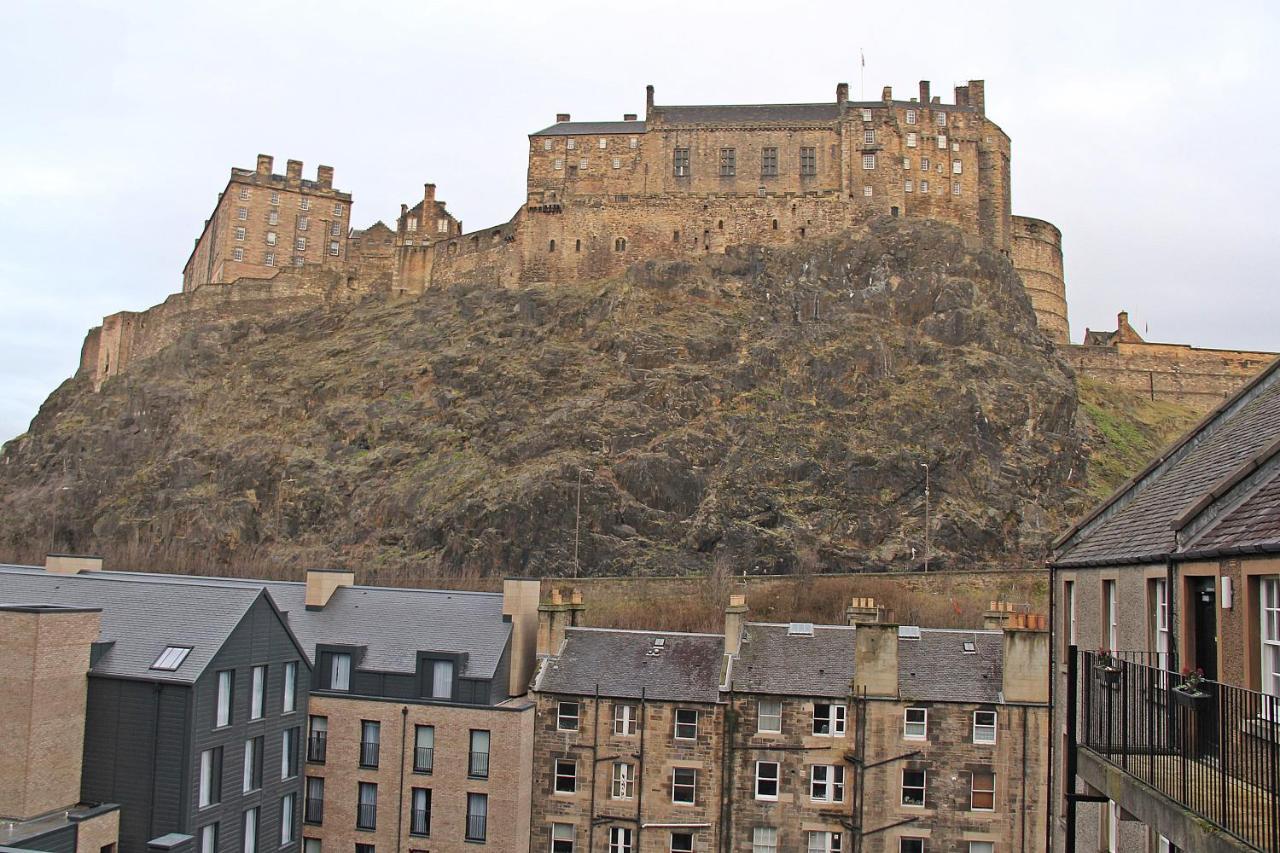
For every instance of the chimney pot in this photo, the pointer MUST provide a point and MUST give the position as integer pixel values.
(628, 116)
(561, 117)
(575, 597)
(924, 91)
(842, 93)
(556, 597)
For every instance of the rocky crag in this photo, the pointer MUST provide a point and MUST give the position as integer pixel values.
(764, 410)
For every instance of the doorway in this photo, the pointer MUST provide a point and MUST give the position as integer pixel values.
(1203, 611)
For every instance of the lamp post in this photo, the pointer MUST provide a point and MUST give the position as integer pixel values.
(577, 526)
(925, 466)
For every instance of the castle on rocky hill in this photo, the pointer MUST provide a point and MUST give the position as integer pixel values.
(682, 182)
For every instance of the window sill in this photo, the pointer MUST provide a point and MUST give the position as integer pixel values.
(366, 829)
(422, 771)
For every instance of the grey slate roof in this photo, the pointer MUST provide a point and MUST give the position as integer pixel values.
(1135, 525)
(587, 128)
(772, 661)
(1251, 526)
(686, 670)
(935, 667)
(750, 113)
(140, 619)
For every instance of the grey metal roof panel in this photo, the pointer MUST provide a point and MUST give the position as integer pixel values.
(620, 664)
(140, 620)
(587, 128)
(935, 668)
(776, 662)
(731, 114)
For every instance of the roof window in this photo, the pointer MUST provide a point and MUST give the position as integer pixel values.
(970, 647)
(908, 632)
(171, 658)
(800, 629)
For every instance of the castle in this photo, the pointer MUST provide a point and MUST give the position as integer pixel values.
(682, 182)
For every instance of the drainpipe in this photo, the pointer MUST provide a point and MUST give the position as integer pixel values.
(1052, 805)
(725, 842)
(595, 757)
(1023, 819)
(404, 733)
(644, 723)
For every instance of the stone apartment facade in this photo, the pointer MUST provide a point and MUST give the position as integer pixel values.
(869, 737)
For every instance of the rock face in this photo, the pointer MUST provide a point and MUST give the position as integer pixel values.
(760, 411)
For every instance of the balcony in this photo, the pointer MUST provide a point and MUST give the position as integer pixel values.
(367, 816)
(314, 810)
(1216, 756)
(476, 827)
(316, 746)
(423, 759)
(420, 822)
(478, 765)
(368, 753)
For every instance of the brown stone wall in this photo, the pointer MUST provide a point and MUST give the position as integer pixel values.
(94, 834)
(1198, 378)
(654, 765)
(44, 661)
(1037, 256)
(508, 783)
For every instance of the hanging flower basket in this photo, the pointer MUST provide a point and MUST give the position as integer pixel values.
(1188, 693)
(1107, 667)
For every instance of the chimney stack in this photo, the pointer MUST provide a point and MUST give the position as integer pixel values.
(962, 96)
(520, 608)
(735, 620)
(886, 94)
(1026, 659)
(264, 164)
(293, 171)
(875, 666)
(628, 116)
(863, 611)
(324, 176)
(554, 618)
(648, 100)
(561, 117)
(71, 564)
(323, 583)
(997, 614)
(842, 93)
(428, 196)
(978, 96)
(924, 91)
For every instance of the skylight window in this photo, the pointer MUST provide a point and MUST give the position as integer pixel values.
(908, 632)
(171, 658)
(800, 629)
(970, 647)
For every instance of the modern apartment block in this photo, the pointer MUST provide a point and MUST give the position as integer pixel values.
(816, 738)
(1167, 619)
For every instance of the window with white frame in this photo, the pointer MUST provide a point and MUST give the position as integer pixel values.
(924, 186)
(826, 783)
(240, 232)
(828, 719)
(915, 723)
(305, 204)
(684, 785)
(682, 842)
(984, 726)
(957, 167)
(334, 249)
(442, 225)
(337, 209)
(868, 161)
(908, 186)
(617, 162)
(242, 213)
(982, 791)
(686, 724)
(297, 260)
(1069, 608)
(824, 842)
(924, 164)
(866, 115)
(582, 163)
(257, 699)
(244, 192)
(940, 119)
(767, 773)
(621, 839)
(624, 718)
(563, 837)
(764, 839)
(911, 117)
(867, 191)
(624, 781)
(237, 254)
(906, 163)
(222, 715)
(571, 143)
(271, 238)
(912, 140)
(273, 218)
(566, 776)
(269, 259)
(955, 188)
(913, 785)
(567, 716)
(769, 715)
(942, 141)
(304, 222)
(300, 244)
(558, 165)
(335, 229)
(1110, 614)
(635, 142)
(275, 197)
(547, 144)
(1160, 621)
(982, 847)
(1269, 595)
(604, 142)
(869, 136)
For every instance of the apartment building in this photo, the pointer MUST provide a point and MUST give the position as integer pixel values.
(797, 737)
(1167, 625)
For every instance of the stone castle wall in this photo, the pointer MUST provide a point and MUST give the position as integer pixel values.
(1036, 252)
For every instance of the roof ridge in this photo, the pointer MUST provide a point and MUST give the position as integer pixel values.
(598, 629)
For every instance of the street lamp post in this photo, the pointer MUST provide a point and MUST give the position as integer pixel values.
(925, 466)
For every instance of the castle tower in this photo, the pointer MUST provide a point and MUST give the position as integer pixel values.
(1037, 256)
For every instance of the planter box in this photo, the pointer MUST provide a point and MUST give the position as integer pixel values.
(1188, 700)
(1108, 675)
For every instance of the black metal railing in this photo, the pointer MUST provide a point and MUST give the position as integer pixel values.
(1214, 749)
(423, 759)
(315, 810)
(316, 747)
(478, 765)
(367, 816)
(476, 827)
(368, 753)
(421, 822)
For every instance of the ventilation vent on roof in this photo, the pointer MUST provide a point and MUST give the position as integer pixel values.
(908, 632)
(970, 647)
(800, 629)
(660, 641)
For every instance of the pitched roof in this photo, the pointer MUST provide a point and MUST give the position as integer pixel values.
(750, 113)
(1136, 524)
(936, 668)
(587, 128)
(773, 660)
(140, 620)
(621, 664)
(1251, 525)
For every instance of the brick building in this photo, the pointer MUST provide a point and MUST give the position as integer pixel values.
(773, 738)
(1177, 571)
(263, 221)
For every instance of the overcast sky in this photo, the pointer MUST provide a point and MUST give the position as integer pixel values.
(1145, 131)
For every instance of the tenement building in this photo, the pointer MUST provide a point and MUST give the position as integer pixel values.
(800, 737)
(1167, 623)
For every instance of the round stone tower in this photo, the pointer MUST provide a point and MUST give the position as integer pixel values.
(1037, 256)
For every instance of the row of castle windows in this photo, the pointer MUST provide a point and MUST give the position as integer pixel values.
(913, 141)
(269, 259)
(582, 165)
(303, 204)
(411, 224)
(728, 162)
(957, 166)
(913, 117)
(924, 187)
(548, 143)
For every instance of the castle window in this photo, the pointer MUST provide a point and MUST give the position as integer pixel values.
(680, 162)
(305, 204)
(955, 188)
(868, 161)
(635, 142)
(304, 222)
(866, 115)
(411, 223)
(768, 162)
(582, 163)
(940, 119)
(620, 244)
(270, 259)
(551, 247)
(906, 162)
(924, 164)
(604, 142)
(273, 218)
(728, 162)
(337, 210)
(573, 171)
(808, 161)
(617, 162)
(547, 143)
(237, 254)
(775, 225)
(955, 146)
(297, 260)
(559, 164)
(911, 116)
(924, 186)
(801, 230)
(275, 197)
(577, 245)
(957, 167)
(333, 248)
(300, 244)
(913, 785)
(866, 191)
(271, 238)
(942, 142)
(869, 136)
(442, 226)
(982, 791)
(244, 192)
(571, 143)
(242, 213)
(907, 186)
(675, 236)
(911, 140)
(240, 233)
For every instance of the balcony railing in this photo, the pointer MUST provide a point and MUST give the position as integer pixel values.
(423, 759)
(476, 827)
(315, 810)
(367, 816)
(316, 746)
(1216, 754)
(421, 822)
(478, 765)
(368, 753)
